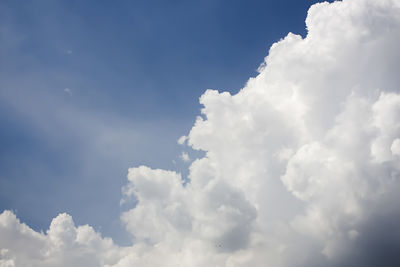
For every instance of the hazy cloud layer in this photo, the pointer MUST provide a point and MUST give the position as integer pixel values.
(301, 167)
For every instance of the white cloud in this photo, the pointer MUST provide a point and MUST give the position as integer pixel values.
(185, 157)
(395, 148)
(301, 168)
(62, 245)
(182, 139)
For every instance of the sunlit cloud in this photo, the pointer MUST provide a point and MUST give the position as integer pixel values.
(301, 166)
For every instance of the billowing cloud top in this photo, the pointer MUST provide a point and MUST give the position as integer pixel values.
(301, 167)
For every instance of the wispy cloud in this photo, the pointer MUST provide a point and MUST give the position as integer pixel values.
(68, 91)
(185, 157)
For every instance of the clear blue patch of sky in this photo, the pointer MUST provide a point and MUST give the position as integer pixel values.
(134, 72)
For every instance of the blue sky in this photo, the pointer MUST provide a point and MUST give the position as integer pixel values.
(89, 89)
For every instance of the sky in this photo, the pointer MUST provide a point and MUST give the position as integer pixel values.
(199, 133)
(89, 90)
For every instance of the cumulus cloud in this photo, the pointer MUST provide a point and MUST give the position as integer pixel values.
(301, 166)
(63, 244)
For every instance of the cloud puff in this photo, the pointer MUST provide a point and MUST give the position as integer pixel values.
(185, 157)
(301, 166)
(62, 245)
